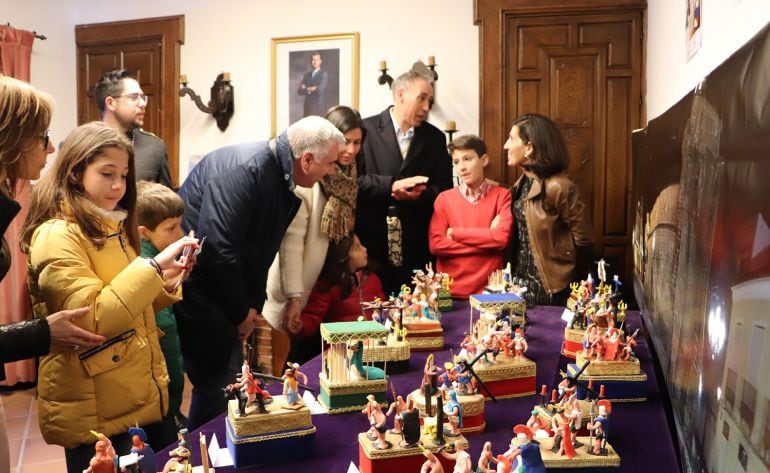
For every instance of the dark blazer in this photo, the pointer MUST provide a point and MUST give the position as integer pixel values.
(151, 157)
(315, 102)
(240, 199)
(381, 165)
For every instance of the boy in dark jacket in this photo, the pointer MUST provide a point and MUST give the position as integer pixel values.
(159, 211)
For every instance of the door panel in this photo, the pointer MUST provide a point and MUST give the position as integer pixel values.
(580, 63)
(149, 49)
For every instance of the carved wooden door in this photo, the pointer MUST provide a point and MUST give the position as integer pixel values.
(580, 65)
(149, 49)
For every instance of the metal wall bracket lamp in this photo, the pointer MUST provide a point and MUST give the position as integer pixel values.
(221, 106)
(385, 78)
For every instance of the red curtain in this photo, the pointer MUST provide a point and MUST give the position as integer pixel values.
(15, 58)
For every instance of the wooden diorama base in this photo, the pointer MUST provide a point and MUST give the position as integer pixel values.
(617, 387)
(423, 334)
(573, 341)
(472, 407)
(260, 439)
(339, 398)
(582, 459)
(398, 459)
(392, 357)
(507, 377)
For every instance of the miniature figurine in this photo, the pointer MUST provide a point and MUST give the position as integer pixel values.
(179, 461)
(358, 371)
(461, 457)
(562, 442)
(519, 344)
(628, 349)
(142, 448)
(537, 426)
(432, 463)
(246, 383)
(290, 389)
(529, 451)
(611, 344)
(377, 429)
(575, 415)
(103, 460)
(430, 375)
(454, 413)
(600, 427)
(397, 408)
(486, 456)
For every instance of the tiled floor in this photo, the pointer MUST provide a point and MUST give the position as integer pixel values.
(29, 453)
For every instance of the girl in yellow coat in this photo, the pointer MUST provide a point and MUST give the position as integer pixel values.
(81, 236)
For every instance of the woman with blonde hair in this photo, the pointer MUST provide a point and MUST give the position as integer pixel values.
(82, 239)
(25, 114)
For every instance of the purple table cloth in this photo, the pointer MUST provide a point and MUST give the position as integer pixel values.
(640, 432)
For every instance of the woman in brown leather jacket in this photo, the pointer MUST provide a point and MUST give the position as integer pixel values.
(552, 233)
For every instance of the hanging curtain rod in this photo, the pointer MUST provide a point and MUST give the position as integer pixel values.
(38, 36)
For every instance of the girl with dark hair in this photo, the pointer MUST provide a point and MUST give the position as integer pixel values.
(326, 214)
(552, 235)
(345, 282)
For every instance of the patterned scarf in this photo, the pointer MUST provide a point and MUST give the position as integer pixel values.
(341, 189)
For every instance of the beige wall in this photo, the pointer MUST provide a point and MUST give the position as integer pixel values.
(726, 26)
(234, 35)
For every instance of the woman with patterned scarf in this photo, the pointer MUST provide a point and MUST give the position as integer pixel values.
(326, 214)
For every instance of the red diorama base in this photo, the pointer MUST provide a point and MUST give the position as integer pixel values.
(397, 459)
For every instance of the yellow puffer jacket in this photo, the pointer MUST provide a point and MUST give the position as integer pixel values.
(124, 384)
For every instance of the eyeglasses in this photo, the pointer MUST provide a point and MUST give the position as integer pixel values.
(46, 137)
(135, 97)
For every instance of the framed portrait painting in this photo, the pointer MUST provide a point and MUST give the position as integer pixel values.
(311, 74)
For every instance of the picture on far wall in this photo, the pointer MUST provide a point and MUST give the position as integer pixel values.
(693, 27)
(311, 74)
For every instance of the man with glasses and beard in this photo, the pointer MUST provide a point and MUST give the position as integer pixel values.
(122, 104)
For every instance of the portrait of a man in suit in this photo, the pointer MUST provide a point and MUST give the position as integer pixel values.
(313, 82)
(314, 87)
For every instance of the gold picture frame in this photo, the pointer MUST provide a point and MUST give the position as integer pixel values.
(291, 65)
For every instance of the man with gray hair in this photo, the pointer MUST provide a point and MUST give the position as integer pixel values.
(405, 166)
(239, 198)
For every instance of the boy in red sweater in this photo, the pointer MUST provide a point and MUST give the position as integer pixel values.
(472, 222)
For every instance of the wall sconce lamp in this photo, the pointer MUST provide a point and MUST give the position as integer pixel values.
(432, 67)
(221, 105)
(384, 78)
(450, 129)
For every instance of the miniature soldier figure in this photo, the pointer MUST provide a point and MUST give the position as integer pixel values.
(600, 427)
(454, 413)
(397, 408)
(531, 459)
(377, 428)
(628, 348)
(461, 457)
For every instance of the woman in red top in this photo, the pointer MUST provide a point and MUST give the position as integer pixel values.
(344, 283)
(472, 222)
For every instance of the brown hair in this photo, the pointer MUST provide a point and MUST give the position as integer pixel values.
(63, 186)
(550, 154)
(155, 203)
(25, 114)
(471, 142)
